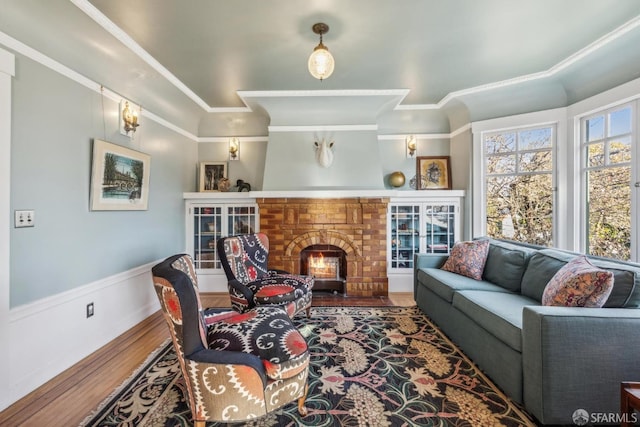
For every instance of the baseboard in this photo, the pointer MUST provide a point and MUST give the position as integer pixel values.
(50, 335)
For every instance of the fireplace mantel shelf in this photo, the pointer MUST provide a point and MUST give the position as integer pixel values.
(322, 194)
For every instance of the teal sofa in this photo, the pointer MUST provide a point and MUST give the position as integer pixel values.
(553, 360)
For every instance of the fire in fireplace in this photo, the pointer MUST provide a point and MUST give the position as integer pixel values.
(322, 267)
(327, 263)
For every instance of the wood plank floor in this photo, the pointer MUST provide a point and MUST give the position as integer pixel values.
(68, 398)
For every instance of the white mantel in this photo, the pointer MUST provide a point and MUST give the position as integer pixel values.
(321, 194)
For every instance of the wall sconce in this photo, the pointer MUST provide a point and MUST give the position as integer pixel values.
(321, 61)
(412, 146)
(128, 118)
(234, 149)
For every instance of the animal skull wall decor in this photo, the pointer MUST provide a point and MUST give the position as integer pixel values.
(324, 153)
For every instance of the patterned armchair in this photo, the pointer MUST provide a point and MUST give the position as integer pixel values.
(235, 366)
(244, 259)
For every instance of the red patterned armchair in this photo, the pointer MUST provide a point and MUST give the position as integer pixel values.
(236, 366)
(244, 259)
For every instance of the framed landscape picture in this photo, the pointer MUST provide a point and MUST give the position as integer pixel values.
(210, 174)
(119, 178)
(433, 173)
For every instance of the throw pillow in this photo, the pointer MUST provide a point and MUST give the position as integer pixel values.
(578, 284)
(468, 258)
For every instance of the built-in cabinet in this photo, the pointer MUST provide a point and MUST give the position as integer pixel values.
(421, 225)
(428, 221)
(208, 221)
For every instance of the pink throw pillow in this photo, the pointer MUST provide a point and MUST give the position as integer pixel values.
(578, 284)
(468, 258)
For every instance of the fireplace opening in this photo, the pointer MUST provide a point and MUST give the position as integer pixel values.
(327, 264)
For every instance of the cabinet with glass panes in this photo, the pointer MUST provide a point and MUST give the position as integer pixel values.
(420, 227)
(208, 222)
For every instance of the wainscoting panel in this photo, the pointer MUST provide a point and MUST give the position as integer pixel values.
(52, 334)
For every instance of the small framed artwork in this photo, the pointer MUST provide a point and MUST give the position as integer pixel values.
(434, 173)
(119, 178)
(210, 175)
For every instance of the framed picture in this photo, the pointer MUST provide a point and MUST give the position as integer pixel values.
(119, 178)
(434, 173)
(210, 174)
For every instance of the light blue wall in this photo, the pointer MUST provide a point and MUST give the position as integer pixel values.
(53, 125)
(394, 157)
(291, 165)
(249, 167)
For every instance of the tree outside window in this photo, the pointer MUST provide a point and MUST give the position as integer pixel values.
(519, 184)
(607, 142)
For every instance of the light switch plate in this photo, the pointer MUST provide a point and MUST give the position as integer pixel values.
(25, 219)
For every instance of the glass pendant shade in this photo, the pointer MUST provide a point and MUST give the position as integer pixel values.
(321, 62)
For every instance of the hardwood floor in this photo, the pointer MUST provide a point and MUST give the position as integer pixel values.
(68, 398)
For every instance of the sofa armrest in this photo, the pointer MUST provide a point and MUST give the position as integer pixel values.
(575, 358)
(425, 261)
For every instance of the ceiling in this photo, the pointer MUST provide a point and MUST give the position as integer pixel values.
(463, 60)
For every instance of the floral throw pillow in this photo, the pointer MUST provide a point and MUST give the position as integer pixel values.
(578, 284)
(468, 258)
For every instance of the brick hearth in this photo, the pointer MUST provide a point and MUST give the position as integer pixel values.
(356, 225)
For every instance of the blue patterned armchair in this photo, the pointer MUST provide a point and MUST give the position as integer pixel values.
(236, 366)
(244, 259)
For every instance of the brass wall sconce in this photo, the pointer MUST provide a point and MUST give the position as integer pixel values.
(129, 118)
(234, 149)
(412, 146)
(321, 62)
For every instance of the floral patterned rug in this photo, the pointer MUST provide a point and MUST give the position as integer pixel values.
(370, 366)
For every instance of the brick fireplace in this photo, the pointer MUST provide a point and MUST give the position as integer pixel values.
(357, 225)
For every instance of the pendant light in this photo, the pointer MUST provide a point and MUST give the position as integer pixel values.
(321, 61)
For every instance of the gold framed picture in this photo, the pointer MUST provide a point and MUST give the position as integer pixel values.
(433, 173)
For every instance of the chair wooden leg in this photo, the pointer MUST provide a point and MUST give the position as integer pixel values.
(199, 423)
(302, 410)
(308, 312)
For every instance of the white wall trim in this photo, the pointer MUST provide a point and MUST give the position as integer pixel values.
(46, 304)
(54, 65)
(225, 139)
(7, 71)
(323, 128)
(121, 301)
(402, 136)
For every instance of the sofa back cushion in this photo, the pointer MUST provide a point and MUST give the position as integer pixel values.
(579, 284)
(545, 263)
(506, 264)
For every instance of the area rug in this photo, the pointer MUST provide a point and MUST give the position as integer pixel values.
(370, 366)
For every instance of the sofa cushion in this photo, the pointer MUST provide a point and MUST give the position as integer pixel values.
(499, 313)
(444, 283)
(506, 264)
(468, 258)
(578, 284)
(545, 263)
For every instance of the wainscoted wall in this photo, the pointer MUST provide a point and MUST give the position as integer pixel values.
(51, 334)
(356, 225)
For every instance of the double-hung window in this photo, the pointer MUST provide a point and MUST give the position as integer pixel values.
(518, 171)
(608, 143)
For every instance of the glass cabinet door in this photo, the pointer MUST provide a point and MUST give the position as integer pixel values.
(405, 235)
(439, 223)
(207, 229)
(241, 219)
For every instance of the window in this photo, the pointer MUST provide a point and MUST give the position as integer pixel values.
(607, 145)
(519, 184)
